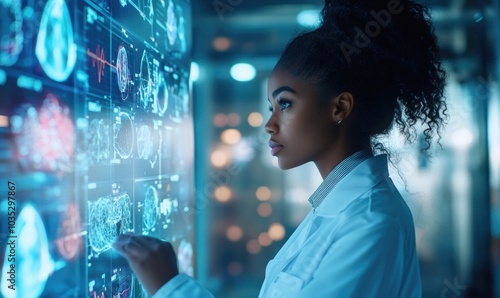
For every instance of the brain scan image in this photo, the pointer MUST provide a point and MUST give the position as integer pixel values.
(99, 140)
(185, 257)
(122, 72)
(145, 84)
(33, 261)
(11, 31)
(150, 208)
(161, 95)
(69, 241)
(55, 47)
(124, 135)
(171, 24)
(109, 217)
(45, 138)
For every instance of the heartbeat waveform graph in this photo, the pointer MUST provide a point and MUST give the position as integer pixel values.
(99, 61)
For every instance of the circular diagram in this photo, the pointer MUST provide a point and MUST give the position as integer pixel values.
(171, 24)
(11, 32)
(122, 72)
(161, 95)
(150, 213)
(55, 47)
(145, 81)
(124, 135)
(33, 261)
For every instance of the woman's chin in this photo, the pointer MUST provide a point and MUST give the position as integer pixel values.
(286, 165)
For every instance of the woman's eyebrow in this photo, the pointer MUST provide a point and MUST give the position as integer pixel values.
(281, 89)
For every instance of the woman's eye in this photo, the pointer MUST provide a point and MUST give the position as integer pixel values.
(284, 104)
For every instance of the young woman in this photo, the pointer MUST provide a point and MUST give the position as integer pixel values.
(372, 64)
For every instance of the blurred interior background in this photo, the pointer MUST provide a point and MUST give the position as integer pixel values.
(247, 207)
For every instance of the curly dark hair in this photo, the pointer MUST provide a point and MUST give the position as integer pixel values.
(385, 53)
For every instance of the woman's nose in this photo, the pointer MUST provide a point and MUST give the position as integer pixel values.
(271, 127)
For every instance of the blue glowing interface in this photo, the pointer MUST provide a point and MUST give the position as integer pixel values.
(96, 139)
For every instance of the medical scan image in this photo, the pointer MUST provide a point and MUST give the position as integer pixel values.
(55, 47)
(96, 141)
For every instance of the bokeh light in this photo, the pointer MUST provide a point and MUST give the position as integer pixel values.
(264, 209)
(223, 193)
(253, 246)
(230, 136)
(264, 239)
(255, 119)
(221, 43)
(276, 231)
(233, 119)
(219, 158)
(234, 233)
(220, 120)
(263, 193)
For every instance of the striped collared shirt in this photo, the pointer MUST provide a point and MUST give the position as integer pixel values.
(339, 172)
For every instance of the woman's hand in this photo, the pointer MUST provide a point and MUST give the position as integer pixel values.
(153, 261)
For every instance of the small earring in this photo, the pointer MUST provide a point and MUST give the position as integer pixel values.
(340, 121)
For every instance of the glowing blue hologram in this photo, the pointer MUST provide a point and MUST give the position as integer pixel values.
(99, 140)
(161, 96)
(33, 261)
(122, 72)
(108, 217)
(124, 135)
(55, 47)
(11, 31)
(123, 3)
(181, 30)
(185, 258)
(145, 80)
(151, 208)
(171, 24)
(184, 95)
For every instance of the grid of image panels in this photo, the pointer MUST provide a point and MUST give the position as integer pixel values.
(96, 140)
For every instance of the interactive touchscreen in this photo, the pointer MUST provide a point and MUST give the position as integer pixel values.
(96, 140)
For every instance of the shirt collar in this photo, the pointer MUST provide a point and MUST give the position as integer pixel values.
(337, 174)
(364, 177)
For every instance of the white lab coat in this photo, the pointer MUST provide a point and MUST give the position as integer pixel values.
(360, 242)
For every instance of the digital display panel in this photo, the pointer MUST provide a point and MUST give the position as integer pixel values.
(96, 140)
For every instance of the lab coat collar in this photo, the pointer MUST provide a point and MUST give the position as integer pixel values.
(363, 177)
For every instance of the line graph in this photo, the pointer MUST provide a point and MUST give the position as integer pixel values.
(99, 61)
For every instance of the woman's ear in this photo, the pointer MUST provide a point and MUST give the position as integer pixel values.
(343, 105)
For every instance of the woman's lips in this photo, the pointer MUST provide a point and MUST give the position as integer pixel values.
(275, 147)
(275, 150)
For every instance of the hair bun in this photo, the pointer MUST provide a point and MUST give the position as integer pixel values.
(357, 10)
